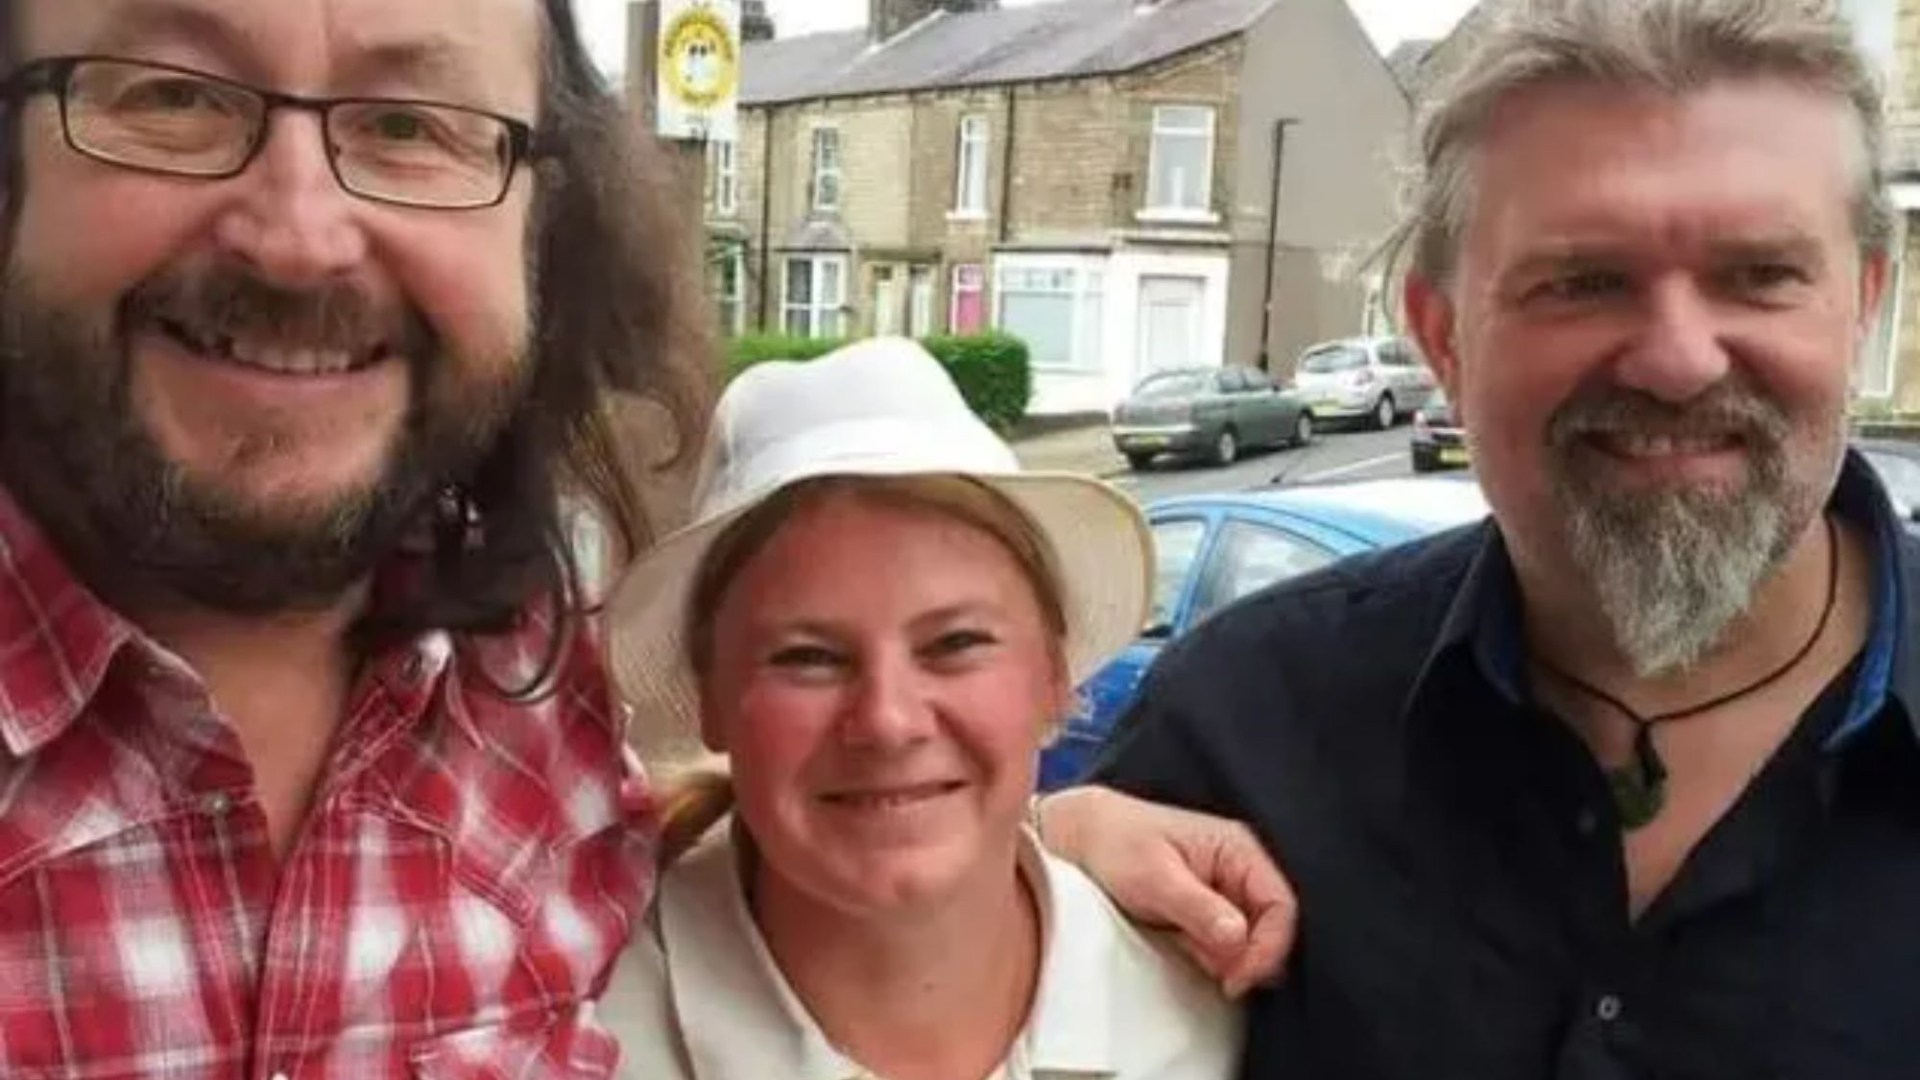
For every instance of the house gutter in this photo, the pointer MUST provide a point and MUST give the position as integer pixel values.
(1273, 239)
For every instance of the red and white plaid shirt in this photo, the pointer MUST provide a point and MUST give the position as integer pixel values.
(468, 874)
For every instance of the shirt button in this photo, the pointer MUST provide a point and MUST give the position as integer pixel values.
(1608, 1008)
(1587, 823)
(414, 668)
(218, 804)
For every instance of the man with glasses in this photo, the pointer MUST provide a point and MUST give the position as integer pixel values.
(310, 314)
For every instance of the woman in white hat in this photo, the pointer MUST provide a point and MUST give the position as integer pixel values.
(878, 619)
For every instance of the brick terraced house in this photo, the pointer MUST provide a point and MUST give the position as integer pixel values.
(1099, 177)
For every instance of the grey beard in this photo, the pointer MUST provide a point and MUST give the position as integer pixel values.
(1672, 573)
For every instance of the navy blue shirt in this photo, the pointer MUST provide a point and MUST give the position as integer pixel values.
(1464, 908)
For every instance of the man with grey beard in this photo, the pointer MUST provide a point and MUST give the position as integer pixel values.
(1624, 782)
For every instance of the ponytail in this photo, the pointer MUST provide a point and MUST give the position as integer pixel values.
(693, 799)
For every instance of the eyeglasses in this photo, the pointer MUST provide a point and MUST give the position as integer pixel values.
(175, 121)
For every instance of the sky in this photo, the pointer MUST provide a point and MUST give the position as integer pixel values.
(1388, 21)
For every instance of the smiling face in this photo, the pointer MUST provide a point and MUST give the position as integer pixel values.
(252, 385)
(1650, 333)
(881, 676)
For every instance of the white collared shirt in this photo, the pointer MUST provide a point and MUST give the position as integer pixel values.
(698, 995)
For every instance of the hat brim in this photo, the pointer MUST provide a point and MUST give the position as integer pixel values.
(1101, 544)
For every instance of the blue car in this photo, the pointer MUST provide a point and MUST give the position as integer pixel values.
(1215, 549)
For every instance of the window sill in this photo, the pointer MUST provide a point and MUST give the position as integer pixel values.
(1177, 217)
(966, 217)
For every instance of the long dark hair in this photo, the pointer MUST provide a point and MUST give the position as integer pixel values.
(619, 313)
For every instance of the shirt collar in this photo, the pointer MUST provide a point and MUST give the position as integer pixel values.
(740, 1017)
(737, 1012)
(57, 640)
(1484, 620)
(1071, 1030)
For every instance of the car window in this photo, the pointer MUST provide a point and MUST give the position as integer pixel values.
(1176, 545)
(1258, 380)
(1233, 381)
(1395, 354)
(1175, 385)
(1250, 557)
(1334, 359)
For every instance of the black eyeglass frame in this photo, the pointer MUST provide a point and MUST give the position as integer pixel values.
(54, 75)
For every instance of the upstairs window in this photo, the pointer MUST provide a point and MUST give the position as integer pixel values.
(1180, 177)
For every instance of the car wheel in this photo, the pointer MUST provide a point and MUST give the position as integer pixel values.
(1139, 462)
(1226, 447)
(1385, 413)
(1303, 428)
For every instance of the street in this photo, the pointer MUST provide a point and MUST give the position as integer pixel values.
(1333, 456)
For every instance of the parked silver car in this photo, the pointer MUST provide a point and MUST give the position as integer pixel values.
(1210, 412)
(1378, 380)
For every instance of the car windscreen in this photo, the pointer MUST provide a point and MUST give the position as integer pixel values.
(1330, 361)
(1186, 384)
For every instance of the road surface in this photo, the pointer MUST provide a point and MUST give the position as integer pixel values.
(1332, 456)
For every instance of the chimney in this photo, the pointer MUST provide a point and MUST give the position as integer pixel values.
(755, 23)
(887, 18)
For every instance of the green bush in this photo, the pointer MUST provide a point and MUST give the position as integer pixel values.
(993, 371)
(747, 350)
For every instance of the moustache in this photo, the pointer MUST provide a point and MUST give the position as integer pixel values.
(1729, 410)
(225, 303)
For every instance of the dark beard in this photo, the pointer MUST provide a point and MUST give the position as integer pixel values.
(137, 528)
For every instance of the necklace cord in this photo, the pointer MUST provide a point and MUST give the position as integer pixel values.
(1646, 722)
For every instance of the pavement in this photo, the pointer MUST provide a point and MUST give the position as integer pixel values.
(1080, 448)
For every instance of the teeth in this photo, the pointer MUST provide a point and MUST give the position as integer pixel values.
(1651, 446)
(289, 360)
(886, 800)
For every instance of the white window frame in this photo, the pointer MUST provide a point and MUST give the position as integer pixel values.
(825, 170)
(817, 310)
(970, 170)
(724, 161)
(732, 308)
(1165, 126)
(1088, 290)
(961, 272)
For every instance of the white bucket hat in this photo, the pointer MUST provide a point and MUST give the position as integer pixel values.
(877, 408)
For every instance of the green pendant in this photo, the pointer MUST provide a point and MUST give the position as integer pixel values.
(1640, 786)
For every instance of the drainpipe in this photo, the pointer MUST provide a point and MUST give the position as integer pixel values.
(1273, 240)
(1006, 174)
(766, 215)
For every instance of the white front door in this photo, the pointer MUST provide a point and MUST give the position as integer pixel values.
(920, 302)
(886, 301)
(1169, 323)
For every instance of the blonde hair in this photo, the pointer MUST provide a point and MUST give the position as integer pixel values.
(696, 795)
(1670, 46)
